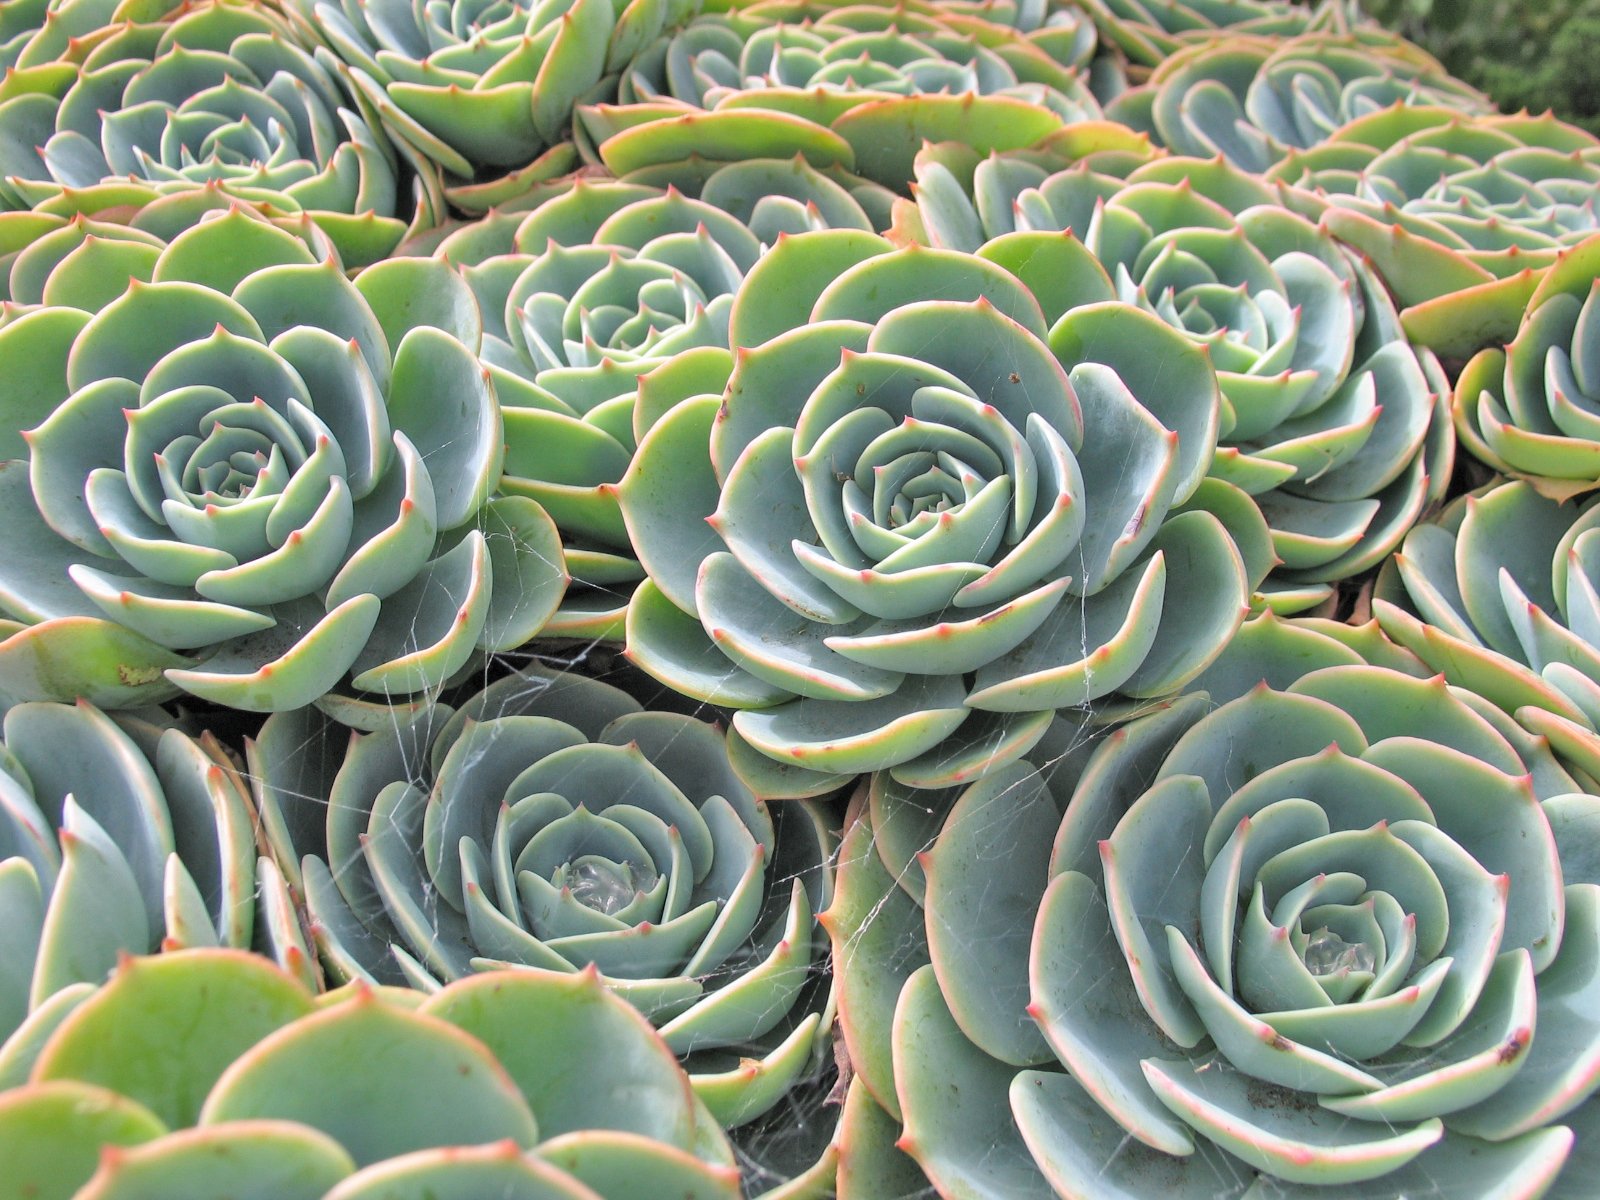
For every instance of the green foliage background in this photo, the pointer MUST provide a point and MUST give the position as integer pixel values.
(1533, 54)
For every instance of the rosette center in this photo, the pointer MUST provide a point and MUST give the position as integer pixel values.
(1327, 953)
(604, 885)
(936, 488)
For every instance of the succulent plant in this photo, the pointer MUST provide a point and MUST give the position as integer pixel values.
(602, 282)
(204, 1071)
(238, 479)
(218, 92)
(858, 85)
(485, 89)
(930, 387)
(910, 527)
(1148, 31)
(1499, 594)
(551, 824)
(1459, 213)
(774, 195)
(1324, 927)
(1330, 418)
(1063, 31)
(35, 243)
(114, 840)
(1531, 409)
(1255, 99)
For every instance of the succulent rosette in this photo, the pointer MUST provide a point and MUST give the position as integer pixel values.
(217, 93)
(1533, 408)
(1255, 99)
(1064, 31)
(249, 479)
(1330, 418)
(795, 191)
(931, 505)
(116, 838)
(35, 243)
(1324, 927)
(1499, 594)
(1460, 213)
(205, 1072)
(484, 89)
(551, 824)
(1148, 31)
(601, 283)
(857, 85)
